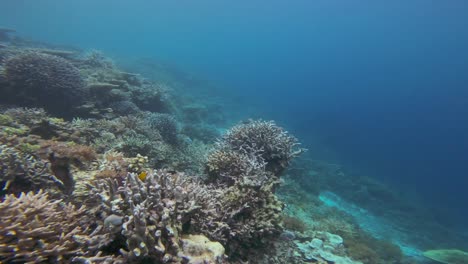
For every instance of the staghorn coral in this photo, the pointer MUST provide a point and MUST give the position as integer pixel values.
(37, 122)
(37, 79)
(154, 213)
(112, 165)
(255, 149)
(226, 165)
(267, 140)
(96, 59)
(34, 229)
(134, 144)
(203, 132)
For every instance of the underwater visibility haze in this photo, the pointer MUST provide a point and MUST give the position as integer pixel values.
(149, 122)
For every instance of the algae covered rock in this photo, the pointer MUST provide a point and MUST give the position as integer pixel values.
(448, 256)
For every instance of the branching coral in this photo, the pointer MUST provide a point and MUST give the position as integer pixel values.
(247, 216)
(154, 212)
(227, 165)
(249, 159)
(39, 79)
(34, 229)
(272, 143)
(251, 150)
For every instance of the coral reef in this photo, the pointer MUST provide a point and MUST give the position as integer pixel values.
(137, 176)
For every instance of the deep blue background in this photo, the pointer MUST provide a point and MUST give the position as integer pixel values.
(380, 86)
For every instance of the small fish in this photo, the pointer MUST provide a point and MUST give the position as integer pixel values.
(113, 220)
(142, 175)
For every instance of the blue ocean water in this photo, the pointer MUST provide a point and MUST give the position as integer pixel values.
(378, 86)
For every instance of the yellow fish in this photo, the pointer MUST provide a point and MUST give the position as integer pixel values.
(142, 175)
